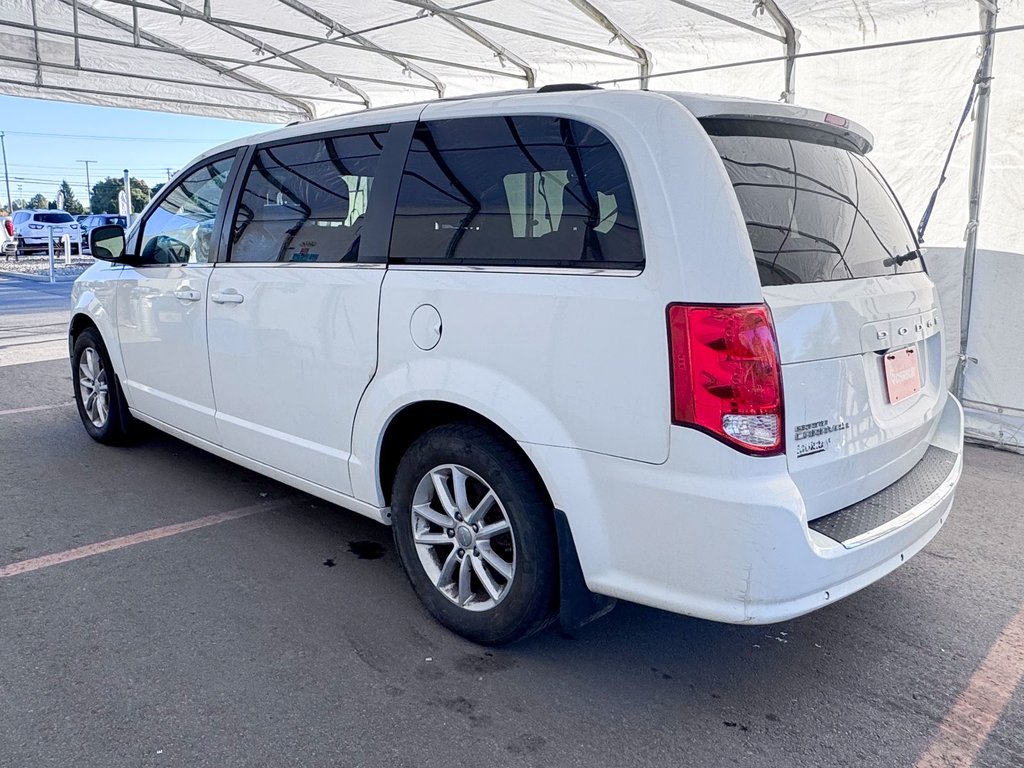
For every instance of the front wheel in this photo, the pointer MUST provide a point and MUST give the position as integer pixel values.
(474, 532)
(101, 404)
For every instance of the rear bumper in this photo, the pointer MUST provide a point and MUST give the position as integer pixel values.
(723, 536)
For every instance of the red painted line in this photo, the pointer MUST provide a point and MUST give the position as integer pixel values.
(58, 558)
(972, 717)
(35, 408)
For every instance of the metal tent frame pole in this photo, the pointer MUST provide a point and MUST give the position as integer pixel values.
(979, 147)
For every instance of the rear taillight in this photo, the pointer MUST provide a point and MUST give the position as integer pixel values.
(726, 376)
(9, 226)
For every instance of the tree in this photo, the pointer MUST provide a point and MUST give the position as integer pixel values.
(21, 203)
(104, 195)
(156, 189)
(71, 204)
(38, 201)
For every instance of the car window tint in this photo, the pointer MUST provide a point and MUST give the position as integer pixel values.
(54, 218)
(815, 212)
(178, 231)
(518, 191)
(307, 202)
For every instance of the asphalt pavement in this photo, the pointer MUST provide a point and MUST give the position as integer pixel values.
(288, 636)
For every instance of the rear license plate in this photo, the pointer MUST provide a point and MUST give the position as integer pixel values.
(902, 377)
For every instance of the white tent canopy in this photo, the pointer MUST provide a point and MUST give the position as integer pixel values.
(903, 68)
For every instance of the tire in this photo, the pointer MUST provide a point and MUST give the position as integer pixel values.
(101, 403)
(19, 249)
(519, 565)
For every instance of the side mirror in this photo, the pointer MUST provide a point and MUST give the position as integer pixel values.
(107, 242)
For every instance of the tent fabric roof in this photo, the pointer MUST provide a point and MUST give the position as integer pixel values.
(278, 61)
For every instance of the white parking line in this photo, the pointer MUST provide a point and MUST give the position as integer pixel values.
(67, 556)
(32, 408)
(972, 717)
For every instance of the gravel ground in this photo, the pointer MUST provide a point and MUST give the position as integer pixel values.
(34, 265)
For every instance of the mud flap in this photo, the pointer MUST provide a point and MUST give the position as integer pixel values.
(577, 605)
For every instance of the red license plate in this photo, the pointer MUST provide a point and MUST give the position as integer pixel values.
(902, 377)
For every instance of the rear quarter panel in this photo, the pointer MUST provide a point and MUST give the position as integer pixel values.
(563, 357)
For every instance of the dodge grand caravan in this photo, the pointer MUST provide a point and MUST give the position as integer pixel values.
(572, 345)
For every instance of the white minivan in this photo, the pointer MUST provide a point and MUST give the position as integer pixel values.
(571, 344)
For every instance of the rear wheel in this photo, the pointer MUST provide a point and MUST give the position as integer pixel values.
(101, 404)
(475, 534)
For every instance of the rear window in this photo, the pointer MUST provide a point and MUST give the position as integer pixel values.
(54, 218)
(120, 221)
(815, 210)
(523, 191)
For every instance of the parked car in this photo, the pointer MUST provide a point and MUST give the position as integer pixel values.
(8, 244)
(86, 223)
(572, 345)
(34, 228)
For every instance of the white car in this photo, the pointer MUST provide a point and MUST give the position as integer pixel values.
(573, 345)
(33, 230)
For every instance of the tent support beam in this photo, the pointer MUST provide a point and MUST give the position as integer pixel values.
(157, 99)
(315, 41)
(729, 20)
(458, 16)
(791, 39)
(643, 56)
(35, 46)
(239, 88)
(334, 26)
(205, 59)
(163, 46)
(455, 19)
(979, 147)
(74, 26)
(309, 69)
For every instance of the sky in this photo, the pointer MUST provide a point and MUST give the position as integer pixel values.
(46, 139)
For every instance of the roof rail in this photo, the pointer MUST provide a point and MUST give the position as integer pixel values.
(556, 87)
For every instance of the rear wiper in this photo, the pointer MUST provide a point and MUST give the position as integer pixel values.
(895, 261)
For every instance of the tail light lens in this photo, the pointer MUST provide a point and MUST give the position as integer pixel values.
(726, 377)
(9, 226)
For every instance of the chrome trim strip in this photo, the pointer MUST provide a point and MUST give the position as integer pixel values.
(517, 270)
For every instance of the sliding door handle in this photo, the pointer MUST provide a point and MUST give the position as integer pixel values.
(229, 296)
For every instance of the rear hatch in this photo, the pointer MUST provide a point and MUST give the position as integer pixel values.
(855, 314)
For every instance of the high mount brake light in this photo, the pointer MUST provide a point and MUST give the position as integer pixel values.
(726, 375)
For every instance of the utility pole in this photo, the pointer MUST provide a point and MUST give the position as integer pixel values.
(7, 180)
(168, 174)
(88, 183)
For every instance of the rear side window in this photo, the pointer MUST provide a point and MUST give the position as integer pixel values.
(515, 191)
(307, 202)
(20, 217)
(814, 211)
(54, 218)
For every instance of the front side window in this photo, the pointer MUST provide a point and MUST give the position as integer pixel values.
(815, 211)
(515, 191)
(307, 202)
(179, 230)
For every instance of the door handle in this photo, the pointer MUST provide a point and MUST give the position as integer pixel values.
(229, 296)
(187, 295)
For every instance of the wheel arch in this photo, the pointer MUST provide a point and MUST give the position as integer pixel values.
(577, 605)
(415, 419)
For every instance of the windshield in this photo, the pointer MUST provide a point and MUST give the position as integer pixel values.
(814, 211)
(54, 218)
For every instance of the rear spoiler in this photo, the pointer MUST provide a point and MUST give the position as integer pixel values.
(833, 131)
